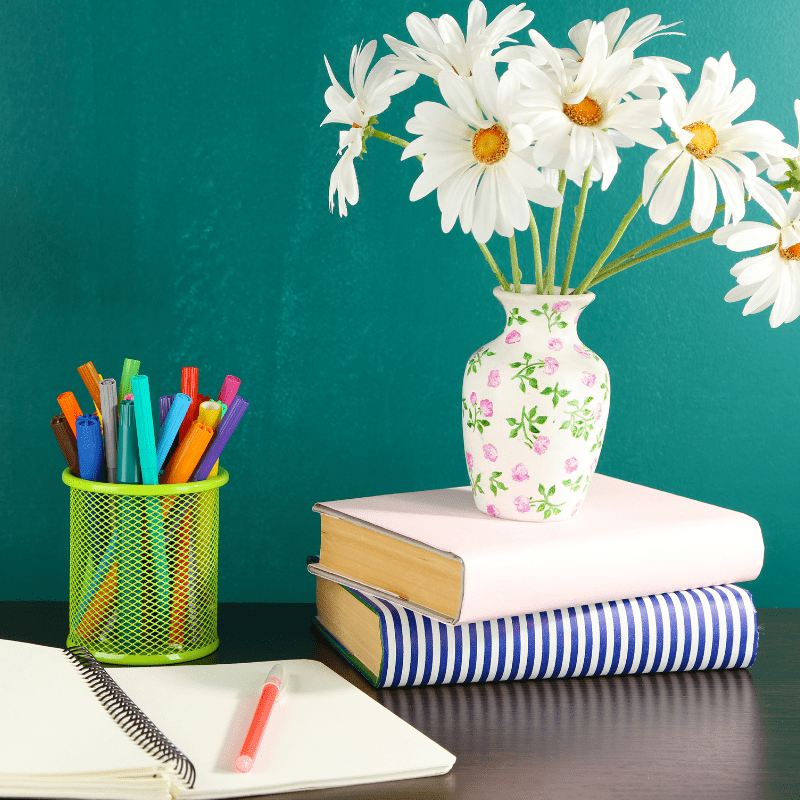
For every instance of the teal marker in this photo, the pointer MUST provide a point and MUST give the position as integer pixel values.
(148, 461)
(144, 430)
(127, 445)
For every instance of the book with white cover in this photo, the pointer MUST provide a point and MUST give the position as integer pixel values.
(435, 553)
(62, 720)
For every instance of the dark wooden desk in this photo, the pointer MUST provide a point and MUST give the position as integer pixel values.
(731, 734)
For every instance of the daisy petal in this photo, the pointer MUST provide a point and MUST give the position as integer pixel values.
(667, 196)
(705, 197)
(750, 236)
(772, 201)
(655, 166)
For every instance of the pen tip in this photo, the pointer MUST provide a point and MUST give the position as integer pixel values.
(244, 763)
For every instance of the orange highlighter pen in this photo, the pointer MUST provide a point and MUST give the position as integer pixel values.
(189, 453)
(269, 694)
(69, 405)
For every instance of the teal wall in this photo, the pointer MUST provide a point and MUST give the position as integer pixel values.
(163, 196)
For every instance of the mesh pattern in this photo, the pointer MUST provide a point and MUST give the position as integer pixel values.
(143, 575)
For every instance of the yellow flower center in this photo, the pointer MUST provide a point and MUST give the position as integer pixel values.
(792, 252)
(587, 112)
(704, 142)
(490, 145)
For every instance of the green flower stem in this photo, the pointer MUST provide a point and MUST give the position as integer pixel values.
(549, 277)
(493, 264)
(537, 253)
(653, 254)
(387, 137)
(598, 266)
(650, 242)
(576, 229)
(626, 220)
(516, 273)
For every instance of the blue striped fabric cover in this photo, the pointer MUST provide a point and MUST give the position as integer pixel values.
(711, 628)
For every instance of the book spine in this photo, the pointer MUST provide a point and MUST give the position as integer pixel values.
(709, 628)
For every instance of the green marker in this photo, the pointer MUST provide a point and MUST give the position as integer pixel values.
(130, 368)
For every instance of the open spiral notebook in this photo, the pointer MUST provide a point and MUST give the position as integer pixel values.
(71, 729)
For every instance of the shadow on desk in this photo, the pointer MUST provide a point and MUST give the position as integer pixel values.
(589, 737)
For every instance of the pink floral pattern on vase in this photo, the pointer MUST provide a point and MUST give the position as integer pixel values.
(541, 444)
(538, 420)
(522, 504)
(571, 464)
(581, 350)
(520, 472)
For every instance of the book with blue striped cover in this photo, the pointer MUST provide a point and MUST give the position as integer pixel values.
(709, 628)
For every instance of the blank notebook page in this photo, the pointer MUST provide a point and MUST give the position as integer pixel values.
(51, 721)
(323, 731)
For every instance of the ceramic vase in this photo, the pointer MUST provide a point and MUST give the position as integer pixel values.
(534, 410)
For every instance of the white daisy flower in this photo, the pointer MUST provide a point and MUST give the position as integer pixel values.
(371, 95)
(441, 45)
(639, 32)
(585, 110)
(476, 157)
(708, 140)
(772, 278)
(777, 167)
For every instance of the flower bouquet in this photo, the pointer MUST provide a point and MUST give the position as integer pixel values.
(510, 126)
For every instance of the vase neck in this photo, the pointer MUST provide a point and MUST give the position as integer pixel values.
(531, 314)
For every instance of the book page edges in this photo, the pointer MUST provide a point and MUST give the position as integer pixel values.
(343, 580)
(321, 508)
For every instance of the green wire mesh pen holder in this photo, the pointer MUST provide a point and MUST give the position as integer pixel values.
(143, 570)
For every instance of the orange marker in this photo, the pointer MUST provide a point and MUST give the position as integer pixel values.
(99, 610)
(69, 405)
(189, 453)
(92, 381)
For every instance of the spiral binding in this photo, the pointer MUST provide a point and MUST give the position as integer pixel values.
(129, 716)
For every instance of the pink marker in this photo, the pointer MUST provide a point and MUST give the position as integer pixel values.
(128, 397)
(269, 694)
(230, 387)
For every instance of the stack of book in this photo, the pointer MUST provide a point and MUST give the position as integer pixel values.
(421, 588)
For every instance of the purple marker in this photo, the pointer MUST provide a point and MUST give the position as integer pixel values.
(164, 403)
(226, 427)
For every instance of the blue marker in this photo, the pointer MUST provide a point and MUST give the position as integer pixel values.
(90, 447)
(171, 426)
